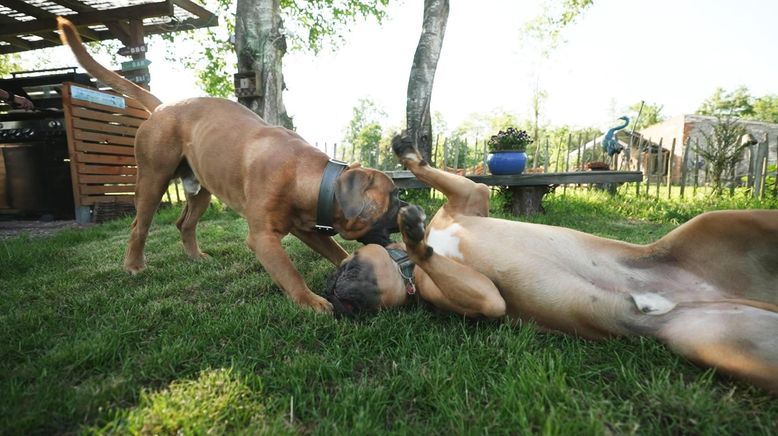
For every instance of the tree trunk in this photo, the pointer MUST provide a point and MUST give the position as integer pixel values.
(425, 61)
(260, 46)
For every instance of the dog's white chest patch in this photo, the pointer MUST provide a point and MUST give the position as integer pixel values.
(652, 304)
(445, 242)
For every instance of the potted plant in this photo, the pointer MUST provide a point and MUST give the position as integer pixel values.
(507, 151)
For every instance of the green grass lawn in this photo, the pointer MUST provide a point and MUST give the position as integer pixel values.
(215, 347)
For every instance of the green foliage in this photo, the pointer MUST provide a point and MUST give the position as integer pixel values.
(737, 103)
(315, 22)
(770, 181)
(510, 139)
(722, 149)
(650, 115)
(547, 28)
(766, 109)
(364, 132)
(310, 24)
(740, 103)
(9, 63)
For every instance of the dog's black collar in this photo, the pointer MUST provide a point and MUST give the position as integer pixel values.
(406, 266)
(325, 207)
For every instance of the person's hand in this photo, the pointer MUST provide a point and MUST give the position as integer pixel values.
(22, 102)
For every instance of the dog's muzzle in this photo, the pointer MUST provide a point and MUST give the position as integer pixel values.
(386, 225)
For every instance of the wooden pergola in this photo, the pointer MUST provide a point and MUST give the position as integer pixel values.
(31, 25)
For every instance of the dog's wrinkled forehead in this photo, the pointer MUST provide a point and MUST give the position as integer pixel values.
(353, 288)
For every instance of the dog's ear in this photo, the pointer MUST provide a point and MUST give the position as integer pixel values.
(350, 191)
(354, 165)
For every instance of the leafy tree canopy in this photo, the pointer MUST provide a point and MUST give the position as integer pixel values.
(309, 25)
(740, 103)
(766, 109)
(317, 21)
(364, 131)
(548, 26)
(8, 64)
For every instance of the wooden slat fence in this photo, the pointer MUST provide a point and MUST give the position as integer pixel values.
(674, 172)
(101, 145)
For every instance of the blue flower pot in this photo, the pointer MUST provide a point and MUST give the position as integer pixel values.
(507, 162)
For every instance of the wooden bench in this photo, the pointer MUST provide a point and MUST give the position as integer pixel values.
(528, 190)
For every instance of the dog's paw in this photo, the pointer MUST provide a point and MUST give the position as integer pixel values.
(411, 219)
(316, 303)
(199, 256)
(134, 267)
(404, 150)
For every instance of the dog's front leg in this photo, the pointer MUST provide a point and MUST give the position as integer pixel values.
(267, 247)
(446, 283)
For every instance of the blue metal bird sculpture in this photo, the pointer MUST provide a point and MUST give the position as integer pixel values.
(609, 143)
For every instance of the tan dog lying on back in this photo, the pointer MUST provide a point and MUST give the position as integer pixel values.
(708, 289)
(268, 174)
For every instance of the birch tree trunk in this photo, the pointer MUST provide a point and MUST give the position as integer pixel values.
(425, 62)
(260, 46)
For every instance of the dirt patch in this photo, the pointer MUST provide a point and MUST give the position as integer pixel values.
(36, 229)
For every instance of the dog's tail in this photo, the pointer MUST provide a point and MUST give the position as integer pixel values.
(69, 36)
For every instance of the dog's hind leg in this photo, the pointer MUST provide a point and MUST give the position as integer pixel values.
(735, 338)
(196, 205)
(148, 193)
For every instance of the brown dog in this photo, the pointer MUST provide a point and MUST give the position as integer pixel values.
(268, 174)
(708, 289)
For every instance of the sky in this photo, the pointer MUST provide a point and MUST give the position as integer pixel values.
(673, 53)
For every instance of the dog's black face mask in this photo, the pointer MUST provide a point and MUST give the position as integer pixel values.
(353, 289)
(380, 231)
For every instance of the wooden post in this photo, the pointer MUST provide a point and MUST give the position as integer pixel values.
(335, 150)
(434, 157)
(775, 187)
(558, 155)
(650, 167)
(353, 151)
(545, 161)
(445, 155)
(535, 157)
(578, 158)
(696, 166)
(567, 160)
(660, 166)
(456, 155)
(684, 165)
(753, 152)
(639, 160)
(670, 160)
(486, 155)
(759, 167)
